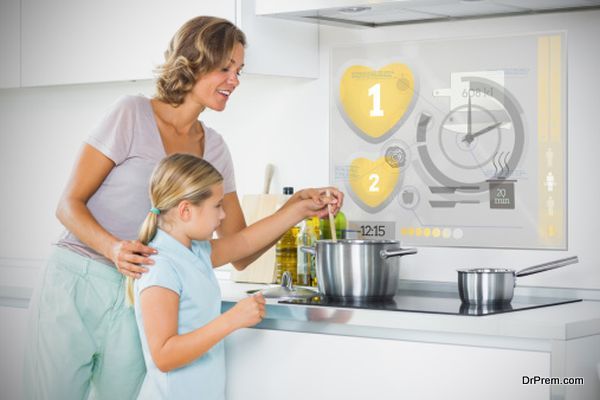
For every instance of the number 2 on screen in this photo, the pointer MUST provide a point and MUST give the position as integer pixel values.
(375, 179)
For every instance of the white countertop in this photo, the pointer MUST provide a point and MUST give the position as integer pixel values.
(559, 322)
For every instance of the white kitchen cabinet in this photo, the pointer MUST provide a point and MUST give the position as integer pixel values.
(278, 47)
(9, 43)
(269, 364)
(74, 41)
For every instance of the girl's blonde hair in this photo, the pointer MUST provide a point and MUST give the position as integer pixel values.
(201, 45)
(176, 178)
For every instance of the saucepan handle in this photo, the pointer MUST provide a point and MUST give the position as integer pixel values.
(548, 266)
(308, 249)
(396, 252)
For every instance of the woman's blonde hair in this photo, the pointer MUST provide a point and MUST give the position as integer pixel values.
(176, 178)
(201, 45)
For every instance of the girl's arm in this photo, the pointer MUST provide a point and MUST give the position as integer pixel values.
(91, 168)
(233, 223)
(160, 308)
(262, 233)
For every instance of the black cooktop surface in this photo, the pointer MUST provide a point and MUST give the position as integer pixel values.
(434, 303)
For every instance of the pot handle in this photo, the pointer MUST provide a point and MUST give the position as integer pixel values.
(396, 252)
(548, 266)
(308, 249)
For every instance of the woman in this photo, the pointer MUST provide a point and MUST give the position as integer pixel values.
(82, 335)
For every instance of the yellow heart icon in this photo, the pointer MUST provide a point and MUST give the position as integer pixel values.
(376, 101)
(372, 183)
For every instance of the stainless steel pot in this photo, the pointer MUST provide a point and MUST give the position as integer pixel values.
(351, 268)
(496, 285)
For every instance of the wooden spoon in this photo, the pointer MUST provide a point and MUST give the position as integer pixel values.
(331, 219)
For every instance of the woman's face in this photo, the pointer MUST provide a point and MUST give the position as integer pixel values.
(213, 89)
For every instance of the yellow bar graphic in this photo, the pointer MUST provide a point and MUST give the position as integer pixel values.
(555, 92)
(551, 182)
(543, 89)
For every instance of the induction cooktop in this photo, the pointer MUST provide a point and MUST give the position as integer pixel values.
(433, 303)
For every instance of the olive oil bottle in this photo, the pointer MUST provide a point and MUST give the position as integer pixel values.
(286, 257)
(307, 236)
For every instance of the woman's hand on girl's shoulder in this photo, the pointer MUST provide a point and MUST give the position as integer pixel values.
(130, 256)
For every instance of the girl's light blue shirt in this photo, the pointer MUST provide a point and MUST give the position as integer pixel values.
(188, 273)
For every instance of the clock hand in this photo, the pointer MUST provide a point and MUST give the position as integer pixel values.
(469, 137)
(469, 116)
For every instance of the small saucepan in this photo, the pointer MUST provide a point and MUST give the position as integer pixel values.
(496, 285)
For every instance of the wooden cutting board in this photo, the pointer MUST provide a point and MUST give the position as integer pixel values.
(256, 207)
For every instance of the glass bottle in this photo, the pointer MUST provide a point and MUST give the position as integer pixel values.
(341, 224)
(286, 249)
(313, 266)
(307, 236)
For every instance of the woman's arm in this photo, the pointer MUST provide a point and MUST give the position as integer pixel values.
(160, 308)
(90, 170)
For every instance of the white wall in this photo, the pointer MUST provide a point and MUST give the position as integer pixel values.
(285, 121)
(583, 31)
(269, 119)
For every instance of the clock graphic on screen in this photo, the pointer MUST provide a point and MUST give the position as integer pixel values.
(474, 142)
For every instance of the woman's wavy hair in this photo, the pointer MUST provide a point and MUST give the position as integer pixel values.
(201, 45)
(176, 178)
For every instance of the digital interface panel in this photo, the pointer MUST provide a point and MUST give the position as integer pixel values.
(458, 142)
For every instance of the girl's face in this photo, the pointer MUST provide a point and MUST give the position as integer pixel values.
(213, 89)
(207, 217)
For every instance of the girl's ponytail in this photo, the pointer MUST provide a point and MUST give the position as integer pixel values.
(146, 234)
(176, 178)
(149, 226)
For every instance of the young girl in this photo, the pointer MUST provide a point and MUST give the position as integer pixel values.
(177, 303)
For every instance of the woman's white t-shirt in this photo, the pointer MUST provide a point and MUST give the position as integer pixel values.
(129, 136)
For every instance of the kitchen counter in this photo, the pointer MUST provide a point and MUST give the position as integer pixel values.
(559, 322)
(359, 353)
(497, 351)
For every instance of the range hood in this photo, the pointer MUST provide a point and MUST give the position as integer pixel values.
(374, 13)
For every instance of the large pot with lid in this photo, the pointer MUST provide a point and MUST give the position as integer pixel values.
(351, 268)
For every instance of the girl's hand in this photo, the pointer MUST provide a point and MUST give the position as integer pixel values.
(248, 312)
(130, 256)
(318, 195)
